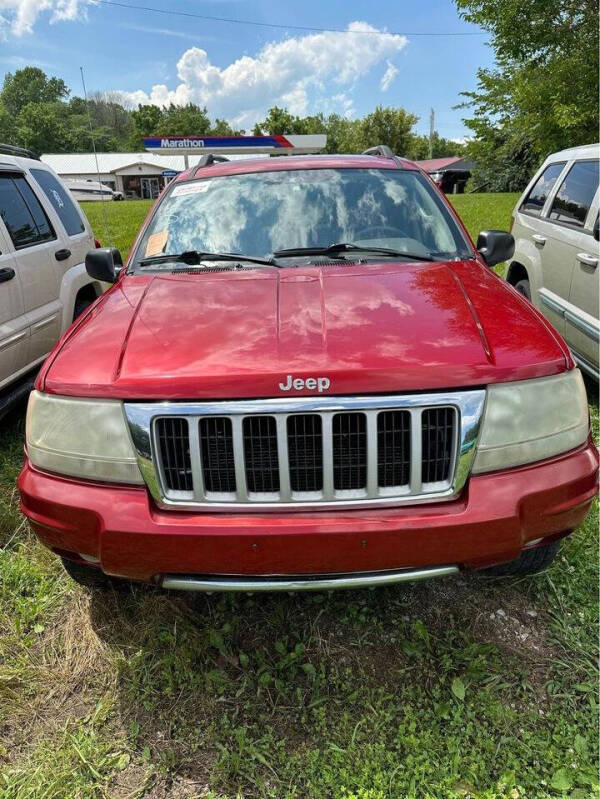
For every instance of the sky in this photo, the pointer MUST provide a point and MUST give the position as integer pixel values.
(238, 71)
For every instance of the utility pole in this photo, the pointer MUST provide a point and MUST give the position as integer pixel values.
(431, 131)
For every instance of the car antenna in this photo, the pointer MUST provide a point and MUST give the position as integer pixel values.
(107, 231)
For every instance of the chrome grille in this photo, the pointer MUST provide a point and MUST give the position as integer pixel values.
(307, 452)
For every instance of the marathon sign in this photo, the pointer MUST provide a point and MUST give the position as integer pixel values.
(170, 145)
(215, 142)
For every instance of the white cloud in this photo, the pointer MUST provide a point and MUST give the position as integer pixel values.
(388, 76)
(17, 17)
(298, 72)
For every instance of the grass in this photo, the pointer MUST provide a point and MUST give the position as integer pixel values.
(116, 224)
(465, 687)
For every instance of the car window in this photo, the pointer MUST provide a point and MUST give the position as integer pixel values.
(259, 213)
(574, 197)
(21, 212)
(535, 200)
(60, 200)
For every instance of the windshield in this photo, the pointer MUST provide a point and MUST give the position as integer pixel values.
(265, 212)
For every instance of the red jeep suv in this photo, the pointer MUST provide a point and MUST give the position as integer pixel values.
(306, 377)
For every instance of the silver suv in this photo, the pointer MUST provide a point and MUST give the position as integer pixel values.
(555, 265)
(44, 237)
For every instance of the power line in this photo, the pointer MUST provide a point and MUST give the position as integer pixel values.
(171, 12)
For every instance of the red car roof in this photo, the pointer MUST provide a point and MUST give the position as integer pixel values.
(295, 162)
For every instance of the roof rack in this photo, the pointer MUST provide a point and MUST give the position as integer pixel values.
(208, 159)
(382, 150)
(9, 149)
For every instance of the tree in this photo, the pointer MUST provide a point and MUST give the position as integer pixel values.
(43, 127)
(542, 96)
(30, 85)
(391, 126)
(183, 120)
(221, 127)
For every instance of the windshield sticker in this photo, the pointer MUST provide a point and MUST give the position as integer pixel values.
(191, 188)
(156, 243)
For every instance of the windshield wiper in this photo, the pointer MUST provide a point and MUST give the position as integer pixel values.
(343, 246)
(195, 257)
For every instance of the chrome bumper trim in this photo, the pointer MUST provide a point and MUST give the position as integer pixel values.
(303, 582)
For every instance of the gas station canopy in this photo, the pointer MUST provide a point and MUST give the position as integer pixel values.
(271, 145)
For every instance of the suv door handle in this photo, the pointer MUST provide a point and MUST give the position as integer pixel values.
(6, 274)
(539, 239)
(62, 255)
(588, 260)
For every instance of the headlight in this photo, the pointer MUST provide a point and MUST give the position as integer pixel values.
(80, 438)
(532, 420)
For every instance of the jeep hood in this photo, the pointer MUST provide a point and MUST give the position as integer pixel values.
(366, 328)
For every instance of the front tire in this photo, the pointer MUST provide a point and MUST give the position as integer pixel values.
(91, 576)
(531, 561)
(524, 288)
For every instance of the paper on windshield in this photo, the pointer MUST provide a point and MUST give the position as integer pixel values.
(156, 243)
(199, 187)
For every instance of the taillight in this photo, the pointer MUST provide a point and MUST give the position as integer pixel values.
(97, 243)
(512, 222)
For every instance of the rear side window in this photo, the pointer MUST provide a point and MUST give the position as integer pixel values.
(534, 202)
(573, 199)
(21, 212)
(60, 200)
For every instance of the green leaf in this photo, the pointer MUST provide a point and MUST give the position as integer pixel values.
(458, 688)
(244, 659)
(39, 628)
(123, 761)
(309, 669)
(265, 679)
(561, 780)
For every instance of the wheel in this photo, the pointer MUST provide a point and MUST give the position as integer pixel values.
(523, 287)
(80, 307)
(90, 576)
(530, 561)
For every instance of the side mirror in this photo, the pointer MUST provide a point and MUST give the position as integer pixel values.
(495, 246)
(104, 264)
(597, 228)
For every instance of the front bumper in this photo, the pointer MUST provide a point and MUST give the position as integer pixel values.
(498, 515)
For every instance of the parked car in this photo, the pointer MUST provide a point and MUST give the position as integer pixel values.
(44, 286)
(306, 377)
(92, 191)
(555, 265)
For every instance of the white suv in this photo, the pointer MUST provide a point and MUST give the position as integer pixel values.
(44, 238)
(555, 265)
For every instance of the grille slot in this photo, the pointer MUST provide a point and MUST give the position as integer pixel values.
(349, 442)
(437, 443)
(260, 453)
(218, 463)
(305, 452)
(393, 448)
(174, 443)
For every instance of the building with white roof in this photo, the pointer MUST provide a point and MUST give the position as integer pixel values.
(136, 175)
